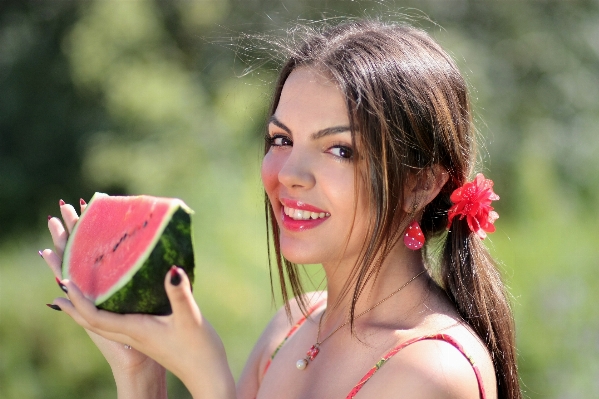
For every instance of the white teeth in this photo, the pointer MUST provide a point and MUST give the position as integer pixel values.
(298, 214)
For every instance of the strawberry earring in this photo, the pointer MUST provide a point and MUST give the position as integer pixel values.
(413, 237)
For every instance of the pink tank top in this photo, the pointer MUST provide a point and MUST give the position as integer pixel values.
(389, 355)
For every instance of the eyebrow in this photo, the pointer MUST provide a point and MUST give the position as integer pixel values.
(316, 135)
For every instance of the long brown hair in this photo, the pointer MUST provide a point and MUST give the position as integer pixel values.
(409, 110)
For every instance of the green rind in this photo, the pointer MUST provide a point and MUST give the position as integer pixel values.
(174, 206)
(144, 292)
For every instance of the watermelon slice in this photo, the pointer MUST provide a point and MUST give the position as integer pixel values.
(121, 248)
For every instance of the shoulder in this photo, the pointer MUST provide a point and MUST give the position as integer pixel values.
(281, 324)
(272, 336)
(429, 368)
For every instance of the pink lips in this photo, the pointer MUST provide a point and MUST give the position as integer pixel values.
(300, 225)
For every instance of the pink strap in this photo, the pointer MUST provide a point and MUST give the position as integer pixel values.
(442, 337)
(293, 330)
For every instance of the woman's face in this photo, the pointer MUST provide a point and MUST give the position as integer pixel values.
(308, 173)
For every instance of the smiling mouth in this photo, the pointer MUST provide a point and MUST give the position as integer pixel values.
(298, 214)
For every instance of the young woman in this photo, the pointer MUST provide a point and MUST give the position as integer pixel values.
(368, 153)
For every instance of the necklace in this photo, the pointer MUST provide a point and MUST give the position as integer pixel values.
(301, 364)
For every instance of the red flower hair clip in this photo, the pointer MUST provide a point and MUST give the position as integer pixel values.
(473, 201)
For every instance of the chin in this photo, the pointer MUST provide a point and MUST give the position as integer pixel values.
(299, 258)
(299, 254)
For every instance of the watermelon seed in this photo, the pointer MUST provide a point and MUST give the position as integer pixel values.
(99, 259)
(119, 243)
(145, 223)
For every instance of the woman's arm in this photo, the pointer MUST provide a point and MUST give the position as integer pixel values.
(147, 381)
(251, 376)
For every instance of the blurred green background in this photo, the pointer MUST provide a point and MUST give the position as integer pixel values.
(168, 98)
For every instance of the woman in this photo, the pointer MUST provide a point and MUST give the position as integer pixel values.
(368, 151)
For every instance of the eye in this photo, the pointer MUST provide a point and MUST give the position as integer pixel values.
(342, 151)
(280, 141)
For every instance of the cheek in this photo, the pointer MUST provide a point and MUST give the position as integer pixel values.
(269, 173)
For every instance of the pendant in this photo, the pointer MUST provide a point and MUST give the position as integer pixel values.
(310, 355)
(313, 352)
(301, 364)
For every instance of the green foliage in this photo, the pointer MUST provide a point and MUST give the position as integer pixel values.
(550, 258)
(43, 120)
(145, 97)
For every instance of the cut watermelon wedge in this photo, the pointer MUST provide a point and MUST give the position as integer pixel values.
(121, 248)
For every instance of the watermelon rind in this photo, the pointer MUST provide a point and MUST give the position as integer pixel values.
(141, 289)
(144, 292)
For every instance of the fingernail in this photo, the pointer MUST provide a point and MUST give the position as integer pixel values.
(49, 217)
(52, 306)
(175, 276)
(61, 203)
(82, 202)
(62, 286)
(40, 254)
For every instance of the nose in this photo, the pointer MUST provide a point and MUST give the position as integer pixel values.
(296, 170)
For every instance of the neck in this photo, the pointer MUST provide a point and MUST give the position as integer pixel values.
(400, 266)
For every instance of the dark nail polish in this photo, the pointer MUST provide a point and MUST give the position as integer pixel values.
(175, 276)
(62, 286)
(41, 254)
(82, 202)
(49, 217)
(61, 203)
(52, 306)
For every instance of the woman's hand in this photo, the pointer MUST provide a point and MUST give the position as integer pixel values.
(183, 342)
(125, 362)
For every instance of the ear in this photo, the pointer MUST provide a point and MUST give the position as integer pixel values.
(422, 187)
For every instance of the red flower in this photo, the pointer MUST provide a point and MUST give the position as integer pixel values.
(473, 201)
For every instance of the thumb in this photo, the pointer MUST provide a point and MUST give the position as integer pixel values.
(178, 290)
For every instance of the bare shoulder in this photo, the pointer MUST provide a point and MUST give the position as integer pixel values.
(272, 336)
(435, 368)
(280, 324)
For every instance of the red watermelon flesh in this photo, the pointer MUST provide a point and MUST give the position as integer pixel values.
(122, 247)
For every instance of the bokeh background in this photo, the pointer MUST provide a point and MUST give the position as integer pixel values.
(169, 98)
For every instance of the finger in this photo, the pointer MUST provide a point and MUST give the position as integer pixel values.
(69, 215)
(53, 261)
(102, 320)
(67, 307)
(82, 205)
(59, 235)
(178, 290)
